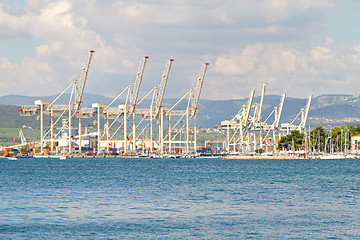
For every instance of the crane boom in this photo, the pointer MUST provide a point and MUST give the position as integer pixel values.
(258, 117)
(136, 87)
(161, 89)
(247, 113)
(279, 111)
(82, 82)
(198, 88)
(305, 113)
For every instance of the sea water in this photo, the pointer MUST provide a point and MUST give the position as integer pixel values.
(113, 198)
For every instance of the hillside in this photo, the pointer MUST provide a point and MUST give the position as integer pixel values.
(326, 109)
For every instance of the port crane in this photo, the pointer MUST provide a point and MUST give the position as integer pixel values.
(190, 113)
(303, 114)
(244, 127)
(42, 107)
(238, 125)
(255, 120)
(123, 110)
(274, 127)
(155, 110)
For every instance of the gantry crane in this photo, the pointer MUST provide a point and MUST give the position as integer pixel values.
(134, 97)
(155, 110)
(255, 120)
(42, 107)
(304, 112)
(193, 100)
(124, 110)
(274, 127)
(238, 125)
(80, 88)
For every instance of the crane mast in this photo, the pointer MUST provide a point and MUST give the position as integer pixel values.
(137, 84)
(82, 82)
(198, 88)
(161, 89)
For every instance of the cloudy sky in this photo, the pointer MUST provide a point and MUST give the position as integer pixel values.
(300, 47)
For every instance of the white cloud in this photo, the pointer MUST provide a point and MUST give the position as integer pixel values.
(29, 77)
(246, 42)
(316, 70)
(11, 25)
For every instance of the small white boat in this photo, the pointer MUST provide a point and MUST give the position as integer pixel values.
(12, 158)
(333, 156)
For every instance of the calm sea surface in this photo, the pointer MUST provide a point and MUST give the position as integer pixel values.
(179, 199)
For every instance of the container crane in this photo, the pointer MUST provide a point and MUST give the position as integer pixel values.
(155, 111)
(134, 96)
(79, 96)
(193, 100)
(196, 99)
(238, 124)
(304, 112)
(125, 110)
(274, 127)
(44, 107)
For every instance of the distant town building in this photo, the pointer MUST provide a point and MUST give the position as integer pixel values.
(355, 142)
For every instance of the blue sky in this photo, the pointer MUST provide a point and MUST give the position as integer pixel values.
(342, 23)
(300, 47)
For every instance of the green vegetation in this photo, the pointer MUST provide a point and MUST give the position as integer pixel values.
(336, 139)
(260, 150)
(293, 141)
(11, 123)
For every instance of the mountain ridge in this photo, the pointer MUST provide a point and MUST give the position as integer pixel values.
(325, 109)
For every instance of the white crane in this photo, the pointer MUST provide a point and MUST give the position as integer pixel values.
(124, 110)
(304, 112)
(274, 127)
(190, 112)
(42, 107)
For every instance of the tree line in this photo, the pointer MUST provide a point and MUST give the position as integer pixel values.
(336, 139)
